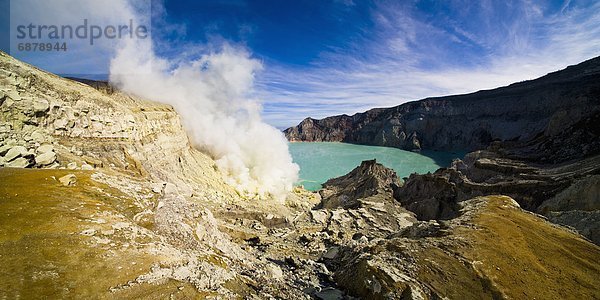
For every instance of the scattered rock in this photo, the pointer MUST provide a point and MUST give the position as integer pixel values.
(5, 149)
(45, 148)
(275, 271)
(88, 232)
(20, 162)
(5, 128)
(86, 167)
(13, 94)
(15, 152)
(45, 158)
(40, 107)
(38, 137)
(158, 187)
(318, 216)
(10, 142)
(332, 253)
(68, 180)
(72, 166)
(330, 294)
(61, 124)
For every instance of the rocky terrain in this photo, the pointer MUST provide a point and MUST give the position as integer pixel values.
(537, 141)
(103, 196)
(519, 112)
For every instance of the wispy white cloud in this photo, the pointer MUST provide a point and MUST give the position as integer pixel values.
(409, 56)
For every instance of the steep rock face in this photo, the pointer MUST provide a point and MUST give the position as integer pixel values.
(431, 196)
(581, 139)
(577, 206)
(521, 111)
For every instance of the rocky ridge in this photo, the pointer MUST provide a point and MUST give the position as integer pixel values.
(519, 112)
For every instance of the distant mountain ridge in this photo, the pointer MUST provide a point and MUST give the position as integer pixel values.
(519, 112)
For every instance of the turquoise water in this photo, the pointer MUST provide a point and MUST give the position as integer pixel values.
(321, 161)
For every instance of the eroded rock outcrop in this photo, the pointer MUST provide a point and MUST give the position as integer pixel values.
(368, 179)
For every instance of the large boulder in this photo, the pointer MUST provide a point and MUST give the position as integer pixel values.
(5, 148)
(20, 162)
(45, 159)
(14, 152)
(45, 148)
(40, 107)
(68, 180)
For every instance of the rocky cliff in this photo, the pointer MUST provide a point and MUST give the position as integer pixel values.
(102, 197)
(519, 112)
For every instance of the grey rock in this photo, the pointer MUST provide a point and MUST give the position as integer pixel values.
(37, 137)
(11, 142)
(430, 196)
(331, 253)
(88, 232)
(318, 216)
(15, 152)
(20, 162)
(368, 179)
(8, 103)
(5, 149)
(45, 158)
(5, 128)
(13, 94)
(330, 294)
(44, 148)
(587, 223)
(87, 167)
(158, 187)
(61, 124)
(584, 195)
(41, 107)
(68, 180)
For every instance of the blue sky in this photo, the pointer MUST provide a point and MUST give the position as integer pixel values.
(344, 56)
(325, 57)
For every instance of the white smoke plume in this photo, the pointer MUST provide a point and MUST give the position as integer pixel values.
(212, 96)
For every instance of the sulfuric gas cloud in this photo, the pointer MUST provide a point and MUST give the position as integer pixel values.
(212, 94)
